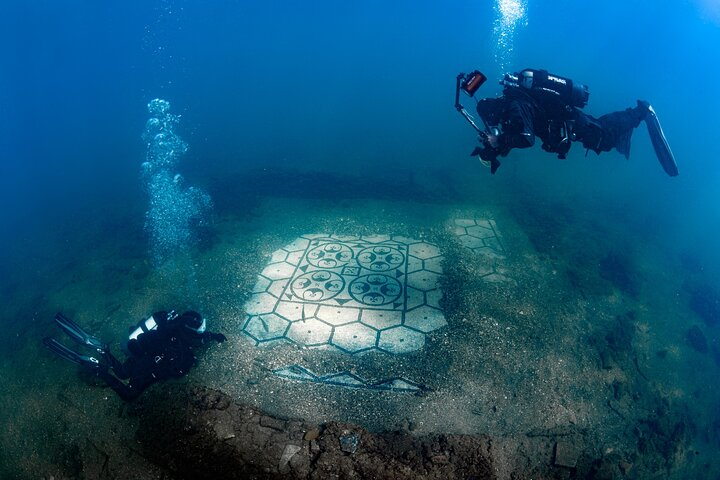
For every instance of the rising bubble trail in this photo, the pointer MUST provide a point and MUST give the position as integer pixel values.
(176, 211)
(509, 15)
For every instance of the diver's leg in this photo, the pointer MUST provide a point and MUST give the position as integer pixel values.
(618, 127)
(139, 383)
(116, 365)
(126, 392)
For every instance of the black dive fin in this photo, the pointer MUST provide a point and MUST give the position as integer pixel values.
(75, 332)
(62, 351)
(660, 144)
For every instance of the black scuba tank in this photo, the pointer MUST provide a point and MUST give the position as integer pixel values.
(548, 88)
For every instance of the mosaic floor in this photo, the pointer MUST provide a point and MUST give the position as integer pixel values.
(355, 294)
(481, 237)
(360, 294)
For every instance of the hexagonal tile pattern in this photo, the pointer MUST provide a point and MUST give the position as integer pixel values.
(261, 285)
(424, 280)
(309, 333)
(401, 340)
(479, 235)
(266, 327)
(381, 319)
(278, 271)
(260, 303)
(424, 250)
(354, 337)
(482, 238)
(376, 292)
(337, 315)
(425, 319)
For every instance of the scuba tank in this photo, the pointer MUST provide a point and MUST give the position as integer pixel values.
(151, 323)
(146, 325)
(547, 88)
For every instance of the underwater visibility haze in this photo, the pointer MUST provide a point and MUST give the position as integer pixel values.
(296, 173)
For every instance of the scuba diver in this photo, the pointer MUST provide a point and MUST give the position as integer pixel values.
(535, 103)
(158, 348)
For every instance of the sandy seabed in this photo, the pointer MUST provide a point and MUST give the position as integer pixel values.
(562, 355)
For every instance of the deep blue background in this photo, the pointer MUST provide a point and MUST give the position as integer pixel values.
(345, 86)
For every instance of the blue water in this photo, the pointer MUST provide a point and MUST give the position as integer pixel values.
(298, 85)
(345, 87)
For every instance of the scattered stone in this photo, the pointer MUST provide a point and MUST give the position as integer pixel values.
(223, 430)
(311, 435)
(215, 401)
(625, 467)
(349, 442)
(696, 339)
(440, 459)
(288, 453)
(620, 389)
(566, 454)
(272, 422)
(606, 359)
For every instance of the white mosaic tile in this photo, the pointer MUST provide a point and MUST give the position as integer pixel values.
(278, 271)
(381, 319)
(478, 234)
(310, 332)
(267, 327)
(425, 319)
(261, 285)
(355, 337)
(401, 340)
(351, 293)
(482, 238)
(278, 256)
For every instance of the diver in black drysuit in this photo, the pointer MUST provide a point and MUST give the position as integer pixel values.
(535, 103)
(160, 347)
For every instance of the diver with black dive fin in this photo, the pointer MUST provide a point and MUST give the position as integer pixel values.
(159, 347)
(535, 103)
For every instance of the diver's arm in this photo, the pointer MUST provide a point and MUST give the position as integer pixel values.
(517, 129)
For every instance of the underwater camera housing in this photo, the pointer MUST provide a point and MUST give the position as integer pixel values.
(472, 81)
(468, 83)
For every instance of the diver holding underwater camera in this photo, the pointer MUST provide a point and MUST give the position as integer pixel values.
(535, 103)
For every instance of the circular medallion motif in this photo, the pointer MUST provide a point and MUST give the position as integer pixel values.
(380, 258)
(375, 289)
(317, 286)
(330, 255)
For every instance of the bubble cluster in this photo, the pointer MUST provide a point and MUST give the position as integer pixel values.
(176, 211)
(510, 14)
